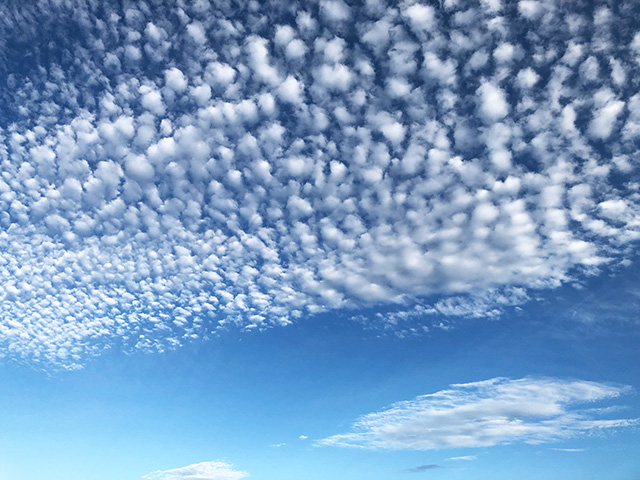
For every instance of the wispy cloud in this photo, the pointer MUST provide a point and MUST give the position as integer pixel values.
(487, 413)
(424, 468)
(199, 471)
(465, 458)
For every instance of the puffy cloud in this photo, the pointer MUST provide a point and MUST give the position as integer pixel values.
(607, 111)
(487, 413)
(152, 100)
(295, 49)
(221, 72)
(175, 79)
(335, 77)
(260, 61)
(291, 90)
(196, 32)
(421, 17)
(530, 9)
(334, 10)
(493, 102)
(199, 471)
(332, 157)
(393, 131)
(527, 78)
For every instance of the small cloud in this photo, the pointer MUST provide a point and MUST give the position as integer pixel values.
(424, 468)
(199, 471)
(303, 437)
(569, 449)
(466, 457)
(277, 445)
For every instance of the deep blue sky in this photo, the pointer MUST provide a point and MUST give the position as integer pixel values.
(352, 240)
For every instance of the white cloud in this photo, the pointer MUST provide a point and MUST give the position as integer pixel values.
(132, 53)
(295, 49)
(590, 69)
(493, 103)
(138, 197)
(221, 72)
(152, 101)
(393, 131)
(199, 471)
(334, 10)
(175, 79)
(284, 35)
(201, 94)
(505, 52)
(604, 119)
(443, 71)
(196, 32)
(529, 8)
(421, 17)
(492, 5)
(335, 77)
(139, 168)
(291, 90)
(487, 413)
(261, 62)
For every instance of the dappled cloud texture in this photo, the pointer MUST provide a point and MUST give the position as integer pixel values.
(168, 171)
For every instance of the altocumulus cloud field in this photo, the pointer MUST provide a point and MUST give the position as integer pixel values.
(317, 240)
(172, 170)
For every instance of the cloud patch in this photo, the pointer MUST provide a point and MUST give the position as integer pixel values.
(424, 468)
(199, 471)
(185, 173)
(491, 412)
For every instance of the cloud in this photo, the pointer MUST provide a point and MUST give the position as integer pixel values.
(185, 173)
(493, 103)
(424, 468)
(465, 458)
(421, 17)
(291, 90)
(199, 471)
(483, 414)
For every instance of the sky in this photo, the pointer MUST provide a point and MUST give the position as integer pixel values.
(325, 239)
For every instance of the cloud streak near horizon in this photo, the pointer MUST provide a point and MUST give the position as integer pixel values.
(487, 413)
(199, 471)
(168, 172)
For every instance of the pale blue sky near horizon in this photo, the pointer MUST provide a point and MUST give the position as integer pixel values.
(309, 240)
(246, 398)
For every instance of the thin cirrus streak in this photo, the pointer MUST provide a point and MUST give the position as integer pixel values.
(168, 172)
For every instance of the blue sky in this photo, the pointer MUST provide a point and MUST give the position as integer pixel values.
(352, 240)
